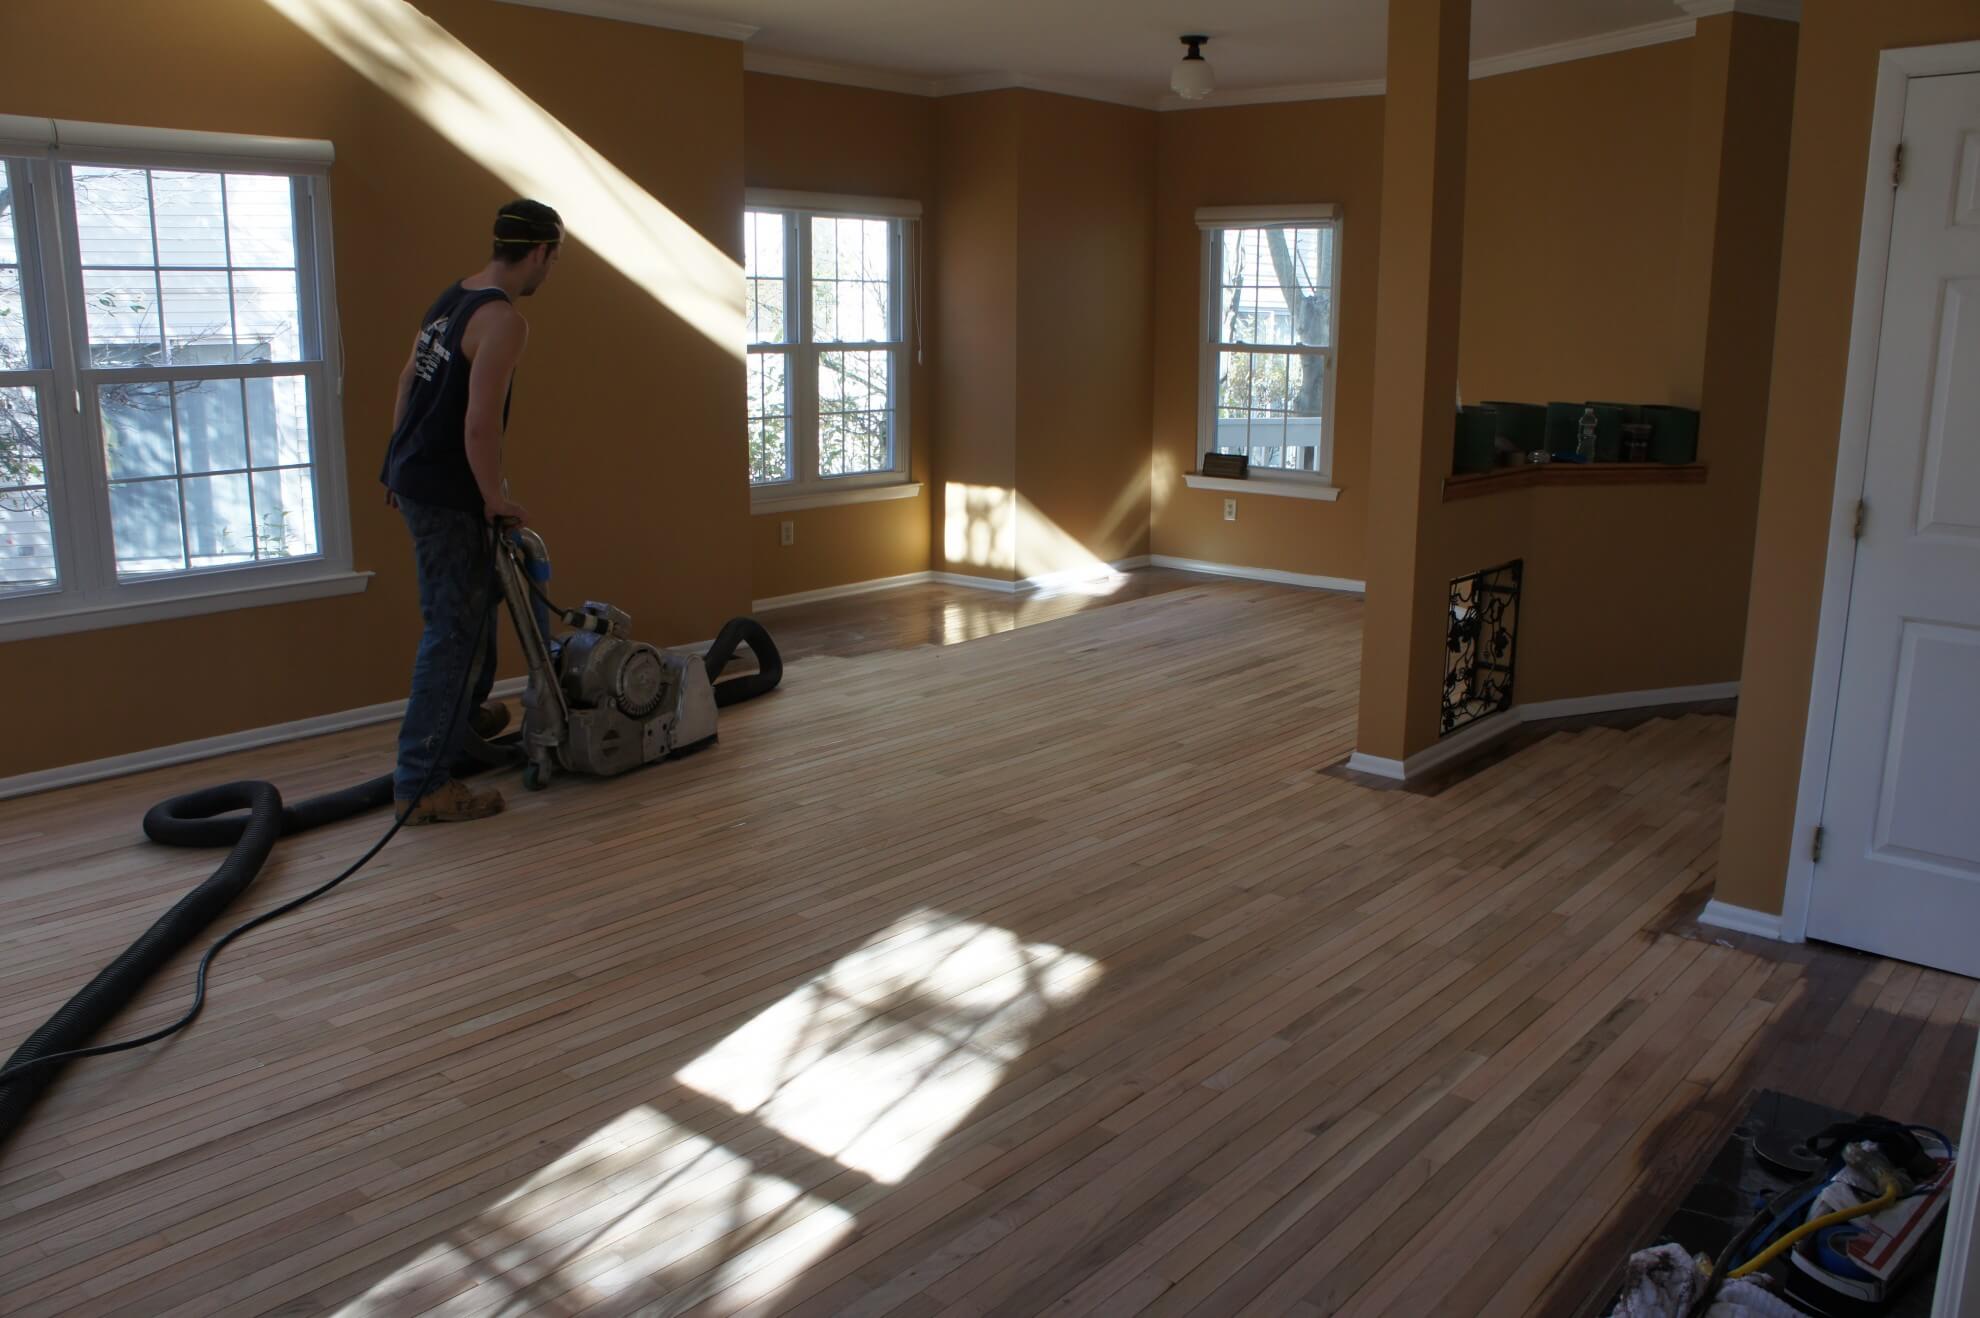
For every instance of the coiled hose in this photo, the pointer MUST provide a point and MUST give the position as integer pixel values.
(210, 817)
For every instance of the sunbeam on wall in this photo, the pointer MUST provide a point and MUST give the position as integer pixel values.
(468, 102)
(875, 1062)
(991, 527)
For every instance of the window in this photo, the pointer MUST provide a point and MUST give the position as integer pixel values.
(1270, 324)
(827, 374)
(167, 420)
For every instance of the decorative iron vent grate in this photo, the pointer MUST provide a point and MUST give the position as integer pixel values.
(1480, 644)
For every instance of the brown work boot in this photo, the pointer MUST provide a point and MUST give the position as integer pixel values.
(489, 720)
(453, 802)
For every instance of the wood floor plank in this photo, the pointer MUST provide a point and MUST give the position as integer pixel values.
(1019, 957)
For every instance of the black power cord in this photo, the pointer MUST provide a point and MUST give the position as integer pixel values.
(12, 1107)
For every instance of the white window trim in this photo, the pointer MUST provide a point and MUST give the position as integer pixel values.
(805, 489)
(1212, 220)
(90, 595)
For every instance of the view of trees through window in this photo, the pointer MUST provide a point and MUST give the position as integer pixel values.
(191, 350)
(821, 383)
(1274, 318)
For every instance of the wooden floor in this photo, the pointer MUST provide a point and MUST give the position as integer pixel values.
(1046, 973)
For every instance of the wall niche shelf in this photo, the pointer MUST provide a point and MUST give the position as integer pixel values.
(1474, 484)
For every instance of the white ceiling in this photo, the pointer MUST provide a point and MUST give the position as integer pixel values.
(1123, 49)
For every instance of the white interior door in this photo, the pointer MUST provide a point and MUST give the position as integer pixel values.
(1899, 872)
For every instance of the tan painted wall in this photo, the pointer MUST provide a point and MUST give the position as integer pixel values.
(1642, 146)
(1310, 151)
(1594, 179)
(1837, 79)
(620, 441)
(1416, 370)
(1085, 263)
(976, 265)
(822, 137)
(1575, 194)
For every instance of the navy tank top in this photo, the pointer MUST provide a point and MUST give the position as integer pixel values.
(427, 458)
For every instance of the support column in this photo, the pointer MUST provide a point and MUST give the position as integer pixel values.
(1416, 358)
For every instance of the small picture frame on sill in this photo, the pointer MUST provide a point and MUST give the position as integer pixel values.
(1234, 466)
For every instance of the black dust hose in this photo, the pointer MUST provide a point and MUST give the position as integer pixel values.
(210, 817)
(769, 664)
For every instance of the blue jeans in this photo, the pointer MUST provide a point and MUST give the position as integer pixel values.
(458, 596)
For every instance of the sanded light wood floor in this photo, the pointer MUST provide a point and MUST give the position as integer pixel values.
(1043, 973)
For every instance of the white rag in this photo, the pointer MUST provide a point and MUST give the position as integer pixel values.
(1664, 1283)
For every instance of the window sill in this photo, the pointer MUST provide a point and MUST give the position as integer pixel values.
(1473, 484)
(762, 505)
(201, 598)
(1277, 487)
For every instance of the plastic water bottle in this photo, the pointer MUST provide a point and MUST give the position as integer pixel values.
(1584, 440)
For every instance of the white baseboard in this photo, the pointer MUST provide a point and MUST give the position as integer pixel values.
(1575, 706)
(1377, 765)
(1259, 574)
(1433, 757)
(1077, 575)
(841, 592)
(997, 584)
(1498, 725)
(1741, 919)
(185, 752)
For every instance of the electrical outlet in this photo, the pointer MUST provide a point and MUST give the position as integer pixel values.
(787, 533)
(1230, 510)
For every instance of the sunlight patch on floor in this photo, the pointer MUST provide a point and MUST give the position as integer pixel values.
(878, 1059)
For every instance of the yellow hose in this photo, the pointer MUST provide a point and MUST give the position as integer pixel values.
(1807, 1229)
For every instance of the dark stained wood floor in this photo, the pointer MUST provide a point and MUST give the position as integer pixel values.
(1045, 972)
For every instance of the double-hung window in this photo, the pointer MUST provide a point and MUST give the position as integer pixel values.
(168, 422)
(827, 355)
(1271, 313)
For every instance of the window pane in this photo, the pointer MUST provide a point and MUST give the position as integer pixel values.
(137, 430)
(267, 316)
(278, 421)
(144, 520)
(763, 263)
(769, 418)
(261, 220)
(122, 311)
(27, 536)
(854, 416)
(851, 267)
(1275, 286)
(13, 321)
(113, 216)
(212, 428)
(219, 520)
(191, 225)
(9, 254)
(285, 513)
(1269, 406)
(199, 323)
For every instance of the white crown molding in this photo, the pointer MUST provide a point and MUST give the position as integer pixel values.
(844, 75)
(997, 82)
(1603, 43)
(648, 15)
(1560, 52)
(1787, 11)
(1300, 91)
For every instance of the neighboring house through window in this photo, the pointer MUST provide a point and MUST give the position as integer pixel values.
(1270, 318)
(827, 361)
(168, 425)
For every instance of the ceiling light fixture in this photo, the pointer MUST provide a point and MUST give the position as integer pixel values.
(1193, 78)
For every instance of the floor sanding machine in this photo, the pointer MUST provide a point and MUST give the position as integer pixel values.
(597, 702)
